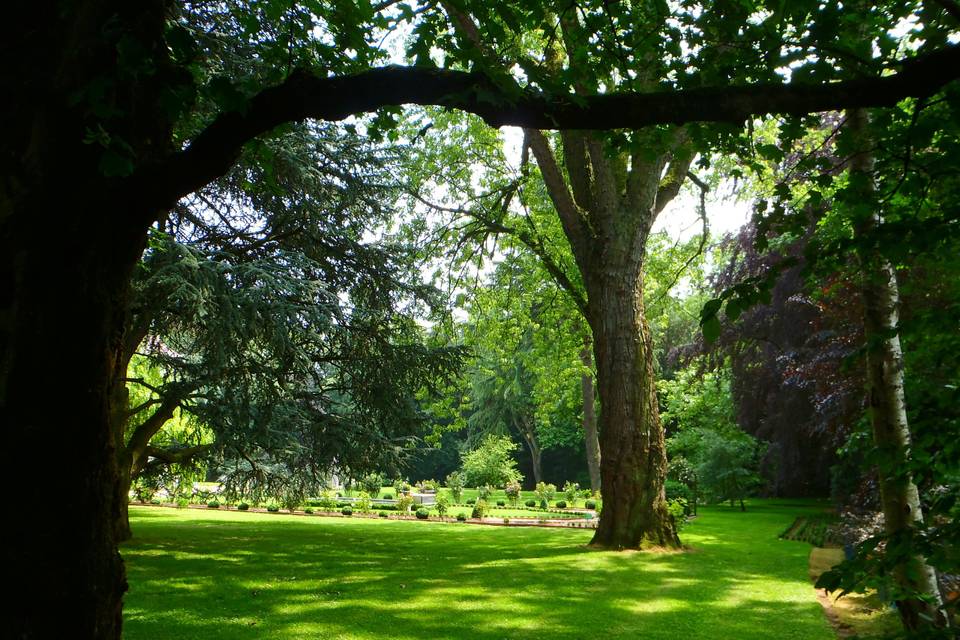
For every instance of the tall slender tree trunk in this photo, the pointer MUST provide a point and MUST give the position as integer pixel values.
(899, 497)
(590, 434)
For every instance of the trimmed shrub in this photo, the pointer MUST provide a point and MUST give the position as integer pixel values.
(472, 501)
(561, 504)
(308, 511)
(388, 496)
(383, 514)
(531, 503)
(273, 508)
(422, 514)
(544, 504)
(590, 504)
(443, 503)
(501, 503)
(461, 517)
(243, 506)
(479, 509)
(512, 490)
(347, 511)
(213, 504)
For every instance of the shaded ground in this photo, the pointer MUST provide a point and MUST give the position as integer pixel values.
(211, 574)
(855, 614)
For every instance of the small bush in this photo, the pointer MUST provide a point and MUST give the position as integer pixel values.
(544, 504)
(590, 504)
(461, 517)
(243, 506)
(501, 503)
(677, 509)
(479, 509)
(506, 521)
(308, 511)
(472, 501)
(183, 503)
(155, 501)
(422, 514)
(273, 508)
(383, 514)
(213, 504)
(388, 496)
(531, 503)
(561, 504)
(347, 511)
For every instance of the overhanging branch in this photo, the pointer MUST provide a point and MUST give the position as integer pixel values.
(305, 95)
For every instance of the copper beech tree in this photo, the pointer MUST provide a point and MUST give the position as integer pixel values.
(117, 110)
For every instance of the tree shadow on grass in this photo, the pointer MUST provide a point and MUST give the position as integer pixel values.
(213, 575)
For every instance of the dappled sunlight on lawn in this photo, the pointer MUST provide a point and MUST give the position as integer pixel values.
(253, 575)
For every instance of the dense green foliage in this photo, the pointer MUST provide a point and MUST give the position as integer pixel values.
(491, 463)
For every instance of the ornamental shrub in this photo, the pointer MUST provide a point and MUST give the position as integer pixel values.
(347, 511)
(213, 504)
(308, 511)
(678, 511)
(479, 509)
(561, 504)
(363, 502)
(372, 484)
(472, 501)
(531, 503)
(327, 501)
(384, 514)
(455, 483)
(590, 504)
(461, 517)
(404, 502)
(243, 506)
(571, 490)
(512, 489)
(273, 508)
(501, 503)
(484, 492)
(443, 503)
(388, 496)
(422, 514)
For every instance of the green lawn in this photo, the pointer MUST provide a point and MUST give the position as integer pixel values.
(209, 574)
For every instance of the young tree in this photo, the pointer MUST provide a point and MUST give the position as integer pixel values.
(491, 463)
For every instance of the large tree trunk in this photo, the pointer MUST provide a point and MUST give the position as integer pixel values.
(69, 239)
(899, 497)
(631, 437)
(61, 323)
(590, 434)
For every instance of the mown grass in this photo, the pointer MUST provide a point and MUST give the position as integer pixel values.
(209, 574)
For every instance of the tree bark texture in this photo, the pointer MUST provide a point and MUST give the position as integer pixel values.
(899, 497)
(607, 220)
(590, 434)
(527, 429)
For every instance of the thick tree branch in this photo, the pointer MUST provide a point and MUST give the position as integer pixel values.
(144, 431)
(306, 95)
(571, 217)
